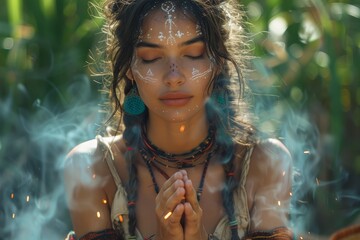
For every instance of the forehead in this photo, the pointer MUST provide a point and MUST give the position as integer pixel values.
(169, 16)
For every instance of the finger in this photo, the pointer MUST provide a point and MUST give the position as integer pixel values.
(168, 203)
(192, 217)
(193, 221)
(184, 173)
(176, 190)
(185, 178)
(169, 188)
(191, 195)
(176, 176)
(175, 216)
(175, 198)
(189, 211)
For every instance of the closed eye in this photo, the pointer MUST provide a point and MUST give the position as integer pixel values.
(195, 57)
(148, 61)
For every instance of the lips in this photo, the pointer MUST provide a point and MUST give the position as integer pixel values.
(175, 99)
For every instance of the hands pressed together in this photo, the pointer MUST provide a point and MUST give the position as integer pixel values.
(178, 212)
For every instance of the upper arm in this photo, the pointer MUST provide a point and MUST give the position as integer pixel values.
(270, 172)
(84, 184)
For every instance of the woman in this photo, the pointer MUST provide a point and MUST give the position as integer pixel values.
(183, 163)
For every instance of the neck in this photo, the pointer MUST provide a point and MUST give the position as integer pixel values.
(177, 137)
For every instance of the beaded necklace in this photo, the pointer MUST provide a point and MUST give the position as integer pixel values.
(150, 164)
(153, 156)
(179, 161)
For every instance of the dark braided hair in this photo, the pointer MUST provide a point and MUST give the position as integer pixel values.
(132, 134)
(219, 21)
(220, 115)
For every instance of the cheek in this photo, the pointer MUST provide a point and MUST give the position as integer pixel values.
(148, 91)
(198, 70)
(148, 73)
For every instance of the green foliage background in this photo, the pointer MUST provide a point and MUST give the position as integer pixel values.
(308, 58)
(309, 53)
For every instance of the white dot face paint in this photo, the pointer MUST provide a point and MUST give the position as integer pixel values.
(171, 56)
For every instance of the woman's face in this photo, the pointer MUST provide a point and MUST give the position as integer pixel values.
(170, 66)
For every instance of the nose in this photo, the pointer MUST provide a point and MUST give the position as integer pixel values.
(174, 77)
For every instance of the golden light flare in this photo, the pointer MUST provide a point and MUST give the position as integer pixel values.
(182, 128)
(94, 176)
(167, 215)
(12, 195)
(104, 201)
(27, 198)
(306, 152)
(121, 219)
(283, 173)
(13, 216)
(290, 193)
(98, 214)
(317, 181)
(279, 203)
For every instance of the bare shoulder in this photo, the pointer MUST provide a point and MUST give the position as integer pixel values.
(269, 184)
(82, 166)
(86, 160)
(85, 152)
(270, 154)
(270, 164)
(82, 157)
(89, 184)
(90, 154)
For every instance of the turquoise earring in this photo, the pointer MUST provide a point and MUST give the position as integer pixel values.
(219, 97)
(133, 104)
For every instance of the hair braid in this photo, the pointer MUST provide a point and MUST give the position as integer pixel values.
(228, 199)
(222, 117)
(132, 137)
(131, 189)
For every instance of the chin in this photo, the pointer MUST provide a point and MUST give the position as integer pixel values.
(178, 115)
(176, 118)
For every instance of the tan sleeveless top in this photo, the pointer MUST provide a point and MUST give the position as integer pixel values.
(119, 210)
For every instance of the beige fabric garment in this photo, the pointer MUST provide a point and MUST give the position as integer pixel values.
(222, 231)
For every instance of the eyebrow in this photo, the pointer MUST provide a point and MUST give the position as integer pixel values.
(147, 44)
(154, 45)
(191, 41)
